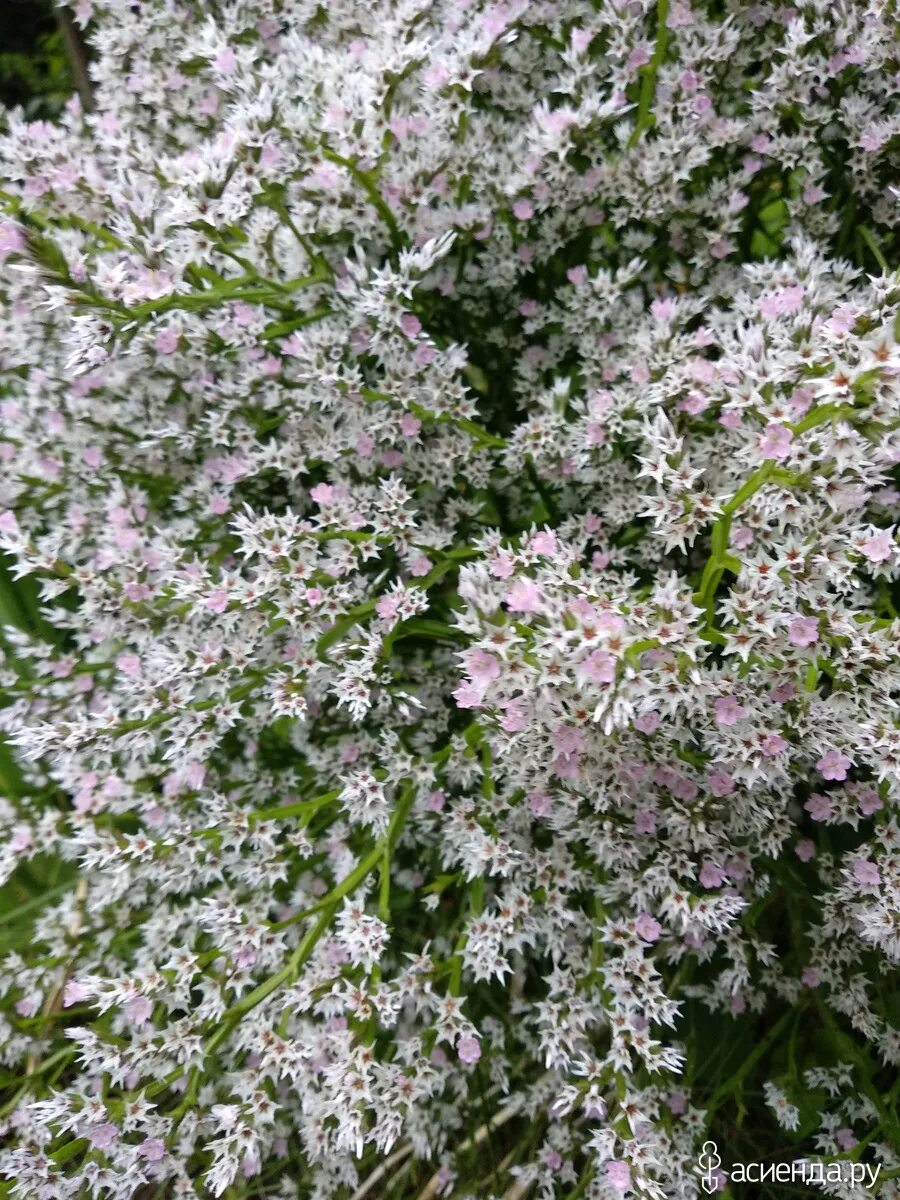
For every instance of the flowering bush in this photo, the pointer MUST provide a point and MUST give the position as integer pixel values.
(450, 638)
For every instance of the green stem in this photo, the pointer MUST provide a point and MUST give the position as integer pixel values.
(291, 969)
(301, 809)
(365, 181)
(704, 597)
(732, 1084)
(648, 83)
(866, 234)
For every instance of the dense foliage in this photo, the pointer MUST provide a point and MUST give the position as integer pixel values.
(451, 654)
(34, 69)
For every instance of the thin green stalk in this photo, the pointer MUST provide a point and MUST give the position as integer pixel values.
(644, 117)
(365, 181)
(36, 902)
(866, 234)
(731, 1085)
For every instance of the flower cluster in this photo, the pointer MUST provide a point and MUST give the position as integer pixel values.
(449, 597)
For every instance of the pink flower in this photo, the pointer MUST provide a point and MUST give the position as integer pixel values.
(411, 325)
(647, 722)
(153, 1149)
(129, 664)
(513, 719)
(720, 783)
(878, 548)
(103, 1136)
(409, 425)
(775, 441)
(544, 542)
(217, 601)
(194, 775)
(595, 434)
(834, 765)
(684, 788)
(645, 821)
(539, 803)
(226, 60)
(468, 1049)
(568, 739)
(166, 341)
(618, 1175)
(866, 873)
(694, 403)
(842, 319)
(9, 524)
(872, 139)
(21, 838)
(138, 1010)
(12, 239)
(647, 927)
(581, 39)
(74, 993)
(711, 875)
(801, 400)
(566, 766)
(772, 744)
(322, 493)
(599, 667)
(523, 210)
(523, 597)
(869, 802)
(804, 631)
(482, 667)
(818, 807)
(640, 373)
(736, 867)
(805, 850)
(468, 695)
(728, 711)
(387, 606)
(600, 403)
(783, 303)
(639, 57)
(811, 977)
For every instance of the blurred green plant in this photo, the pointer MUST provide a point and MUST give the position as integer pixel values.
(42, 58)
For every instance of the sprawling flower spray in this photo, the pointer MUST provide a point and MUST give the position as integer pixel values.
(450, 652)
